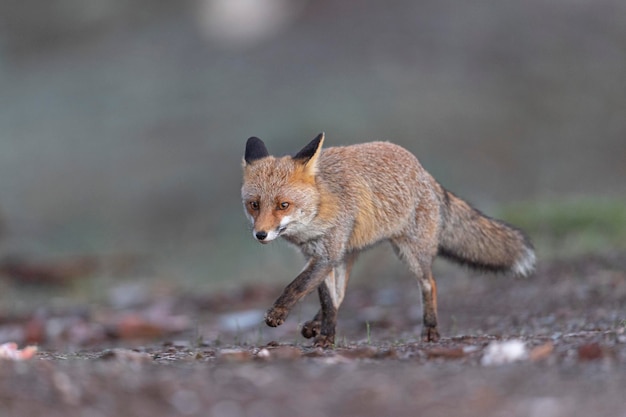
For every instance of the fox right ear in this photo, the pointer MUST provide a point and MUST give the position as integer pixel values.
(309, 155)
(255, 149)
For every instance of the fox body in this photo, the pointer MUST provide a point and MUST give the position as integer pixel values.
(335, 202)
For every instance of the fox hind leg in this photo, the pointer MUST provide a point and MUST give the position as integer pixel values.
(428, 286)
(420, 261)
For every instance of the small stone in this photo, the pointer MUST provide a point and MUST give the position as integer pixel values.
(499, 353)
(235, 355)
(263, 354)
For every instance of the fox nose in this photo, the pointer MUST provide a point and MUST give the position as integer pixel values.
(261, 235)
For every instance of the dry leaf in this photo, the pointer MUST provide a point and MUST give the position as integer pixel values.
(541, 352)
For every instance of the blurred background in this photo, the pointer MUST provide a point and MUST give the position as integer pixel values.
(123, 123)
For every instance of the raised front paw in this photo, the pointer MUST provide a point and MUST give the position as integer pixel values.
(311, 328)
(276, 316)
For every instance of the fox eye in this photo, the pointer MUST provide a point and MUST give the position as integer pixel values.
(284, 205)
(254, 205)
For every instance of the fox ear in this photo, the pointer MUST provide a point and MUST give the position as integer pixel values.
(310, 154)
(255, 149)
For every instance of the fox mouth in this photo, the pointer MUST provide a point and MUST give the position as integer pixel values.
(265, 237)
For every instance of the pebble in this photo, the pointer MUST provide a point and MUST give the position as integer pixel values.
(500, 353)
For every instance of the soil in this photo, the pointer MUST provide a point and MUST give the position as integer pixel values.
(550, 345)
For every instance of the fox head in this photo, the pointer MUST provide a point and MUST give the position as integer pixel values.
(279, 193)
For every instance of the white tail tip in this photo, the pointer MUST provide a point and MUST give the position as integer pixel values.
(526, 264)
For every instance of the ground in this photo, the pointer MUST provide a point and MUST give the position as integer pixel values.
(210, 354)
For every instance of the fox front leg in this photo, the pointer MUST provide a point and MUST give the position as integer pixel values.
(325, 337)
(307, 281)
(322, 326)
(313, 327)
(332, 292)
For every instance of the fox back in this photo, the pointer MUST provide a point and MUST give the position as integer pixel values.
(369, 187)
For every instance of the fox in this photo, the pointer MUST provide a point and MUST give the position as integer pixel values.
(336, 202)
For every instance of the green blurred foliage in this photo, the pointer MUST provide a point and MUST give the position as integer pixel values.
(571, 227)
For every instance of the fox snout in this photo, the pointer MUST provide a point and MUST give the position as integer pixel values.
(264, 236)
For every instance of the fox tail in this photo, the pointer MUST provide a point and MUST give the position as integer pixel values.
(469, 237)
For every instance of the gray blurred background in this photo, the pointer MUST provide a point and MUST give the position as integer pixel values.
(122, 123)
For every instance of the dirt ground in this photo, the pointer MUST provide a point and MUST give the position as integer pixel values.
(561, 334)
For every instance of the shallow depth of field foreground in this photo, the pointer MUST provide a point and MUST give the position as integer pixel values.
(551, 345)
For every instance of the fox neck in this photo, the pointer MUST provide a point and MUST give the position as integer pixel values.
(301, 235)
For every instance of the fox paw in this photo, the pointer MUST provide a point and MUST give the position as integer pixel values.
(276, 316)
(430, 334)
(311, 328)
(325, 342)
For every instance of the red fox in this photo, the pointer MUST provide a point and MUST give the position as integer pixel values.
(335, 203)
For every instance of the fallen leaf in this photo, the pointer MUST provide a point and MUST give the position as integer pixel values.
(135, 326)
(590, 352)
(52, 272)
(541, 352)
(445, 353)
(366, 352)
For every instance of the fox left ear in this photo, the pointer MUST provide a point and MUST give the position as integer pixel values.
(310, 154)
(255, 149)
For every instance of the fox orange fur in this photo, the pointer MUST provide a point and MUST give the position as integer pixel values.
(334, 203)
